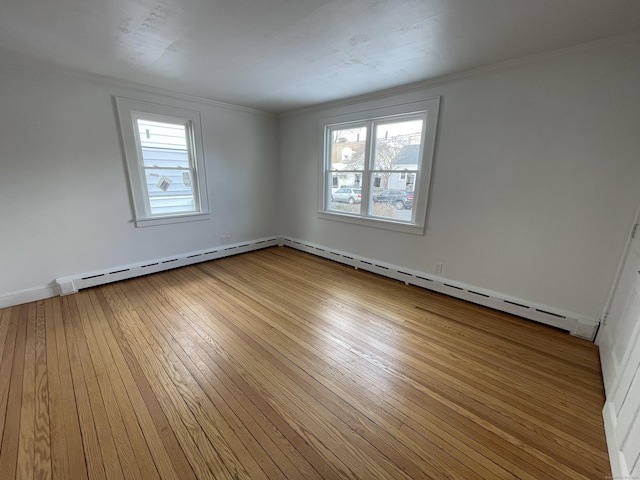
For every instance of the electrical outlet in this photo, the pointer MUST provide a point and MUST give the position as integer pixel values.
(438, 267)
(225, 239)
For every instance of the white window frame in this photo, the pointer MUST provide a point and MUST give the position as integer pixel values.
(427, 109)
(128, 113)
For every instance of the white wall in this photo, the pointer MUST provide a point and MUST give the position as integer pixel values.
(535, 181)
(64, 196)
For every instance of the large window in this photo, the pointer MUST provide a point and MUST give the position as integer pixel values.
(163, 147)
(376, 170)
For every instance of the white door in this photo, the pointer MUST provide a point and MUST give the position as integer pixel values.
(620, 352)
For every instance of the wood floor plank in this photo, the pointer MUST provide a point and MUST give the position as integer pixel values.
(96, 465)
(91, 353)
(134, 423)
(42, 428)
(26, 451)
(59, 449)
(68, 456)
(104, 433)
(278, 364)
(10, 315)
(5, 322)
(109, 439)
(12, 433)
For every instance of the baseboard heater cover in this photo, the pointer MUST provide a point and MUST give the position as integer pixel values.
(575, 324)
(71, 284)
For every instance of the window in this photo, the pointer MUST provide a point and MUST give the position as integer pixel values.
(163, 149)
(376, 170)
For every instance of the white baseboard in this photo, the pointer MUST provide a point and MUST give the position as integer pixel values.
(73, 283)
(29, 295)
(576, 324)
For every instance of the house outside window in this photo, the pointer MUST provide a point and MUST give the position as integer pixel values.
(388, 159)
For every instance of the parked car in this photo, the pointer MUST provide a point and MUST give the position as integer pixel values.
(399, 198)
(347, 195)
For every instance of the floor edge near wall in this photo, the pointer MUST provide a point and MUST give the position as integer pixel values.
(575, 324)
(571, 322)
(72, 283)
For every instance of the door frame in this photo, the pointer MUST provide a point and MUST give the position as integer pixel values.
(616, 280)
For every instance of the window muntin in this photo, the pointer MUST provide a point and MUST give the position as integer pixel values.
(165, 160)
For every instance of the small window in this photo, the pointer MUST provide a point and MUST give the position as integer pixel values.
(388, 158)
(163, 149)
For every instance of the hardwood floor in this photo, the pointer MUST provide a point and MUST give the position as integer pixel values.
(277, 364)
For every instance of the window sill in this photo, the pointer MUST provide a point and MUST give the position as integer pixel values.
(412, 228)
(168, 220)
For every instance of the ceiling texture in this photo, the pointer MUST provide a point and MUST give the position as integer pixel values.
(279, 55)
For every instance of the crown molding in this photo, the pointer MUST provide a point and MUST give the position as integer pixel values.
(9, 59)
(467, 74)
(111, 82)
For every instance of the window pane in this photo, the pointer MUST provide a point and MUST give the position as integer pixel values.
(346, 179)
(167, 167)
(405, 180)
(170, 191)
(398, 145)
(162, 134)
(165, 157)
(347, 147)
(391, 203)
(163, 144)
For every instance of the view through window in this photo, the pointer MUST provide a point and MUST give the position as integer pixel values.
(373, 167)
(168, 165)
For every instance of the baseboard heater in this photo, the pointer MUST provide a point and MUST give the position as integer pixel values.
(571, 322)
(575, 324)
(71, 284)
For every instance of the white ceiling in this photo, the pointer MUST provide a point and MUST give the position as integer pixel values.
(279, 55)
